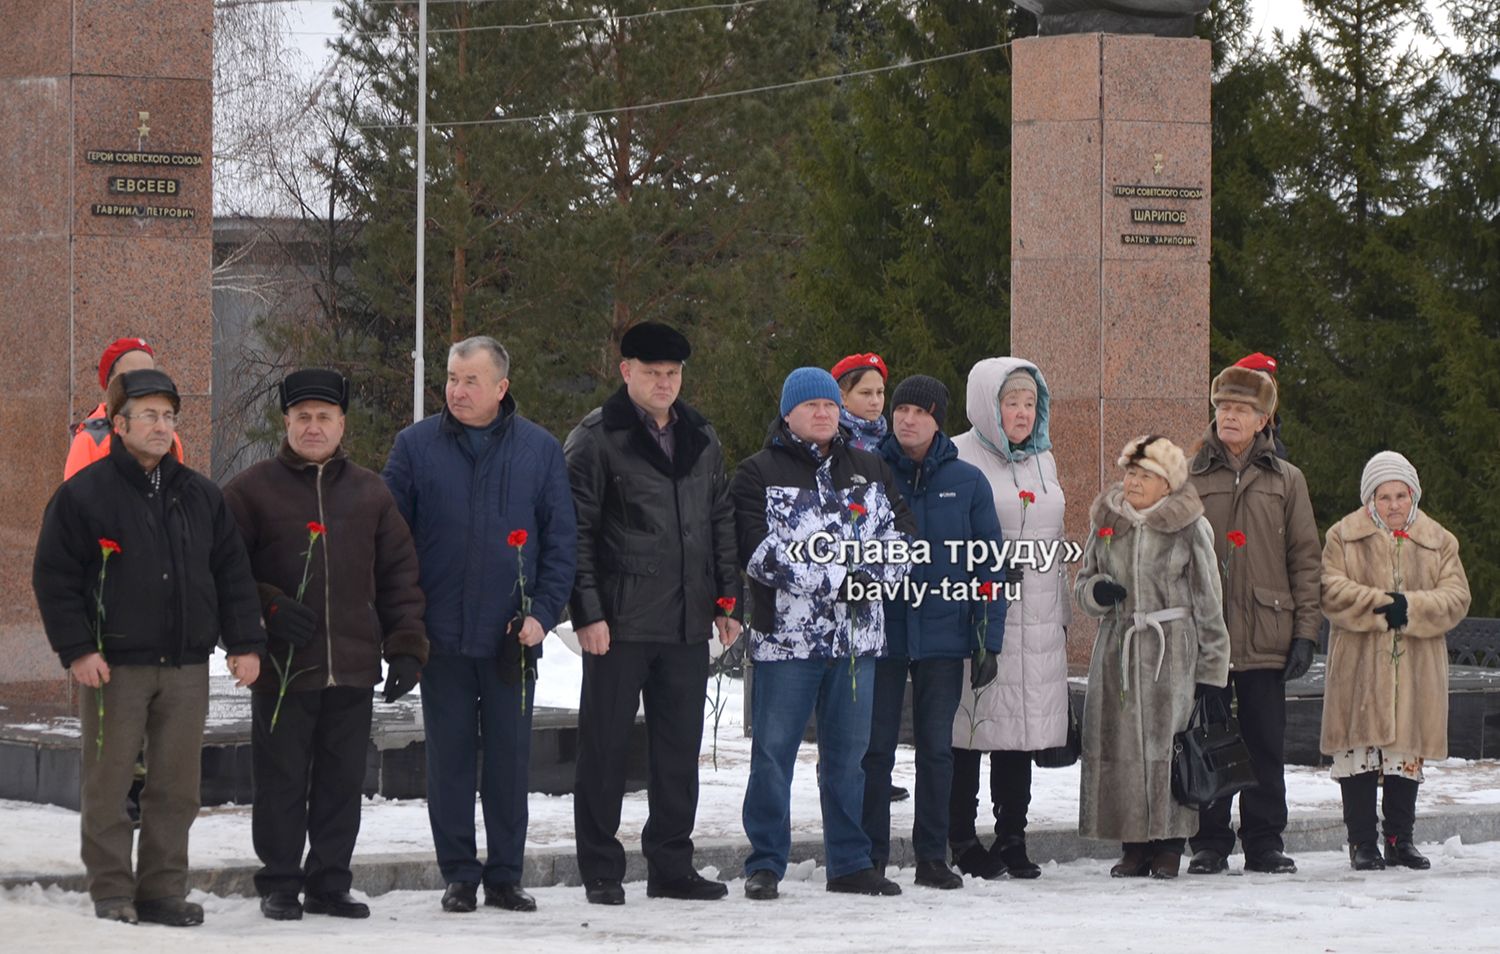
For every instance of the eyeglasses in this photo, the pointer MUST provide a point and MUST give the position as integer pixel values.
(152, 418)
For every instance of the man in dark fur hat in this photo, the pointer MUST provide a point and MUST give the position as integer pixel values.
(656, 580)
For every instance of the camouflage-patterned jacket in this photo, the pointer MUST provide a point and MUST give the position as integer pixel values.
(783, 496)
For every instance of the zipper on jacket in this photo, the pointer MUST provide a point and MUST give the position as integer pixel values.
(327, 584)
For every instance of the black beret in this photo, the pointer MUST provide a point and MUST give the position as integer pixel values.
(649, 341)
(315, 384)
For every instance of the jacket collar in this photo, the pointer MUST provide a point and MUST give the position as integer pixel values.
(941, 451)
(1213, 454)
(294, 461)
(1177, 510)
(1424, 531)
(781, 438)
(452, 425)
(131, 470)
(618, 413)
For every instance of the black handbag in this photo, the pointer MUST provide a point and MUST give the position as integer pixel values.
(1062, 756)
(1210, 760)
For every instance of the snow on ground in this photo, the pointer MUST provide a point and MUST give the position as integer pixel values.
(1074, 907)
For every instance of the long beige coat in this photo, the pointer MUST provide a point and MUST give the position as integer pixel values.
(1165, 564)
(1398, 704)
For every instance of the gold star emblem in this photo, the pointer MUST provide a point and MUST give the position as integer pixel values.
(1156, 163)
(145, 127)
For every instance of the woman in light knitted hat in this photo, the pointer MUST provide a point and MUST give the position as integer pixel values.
(1393, 586)
(1151, 577)
(1025, 710)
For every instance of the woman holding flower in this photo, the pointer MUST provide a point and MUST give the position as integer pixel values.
(1026, 708)
(1153, 582)
(1393, 585)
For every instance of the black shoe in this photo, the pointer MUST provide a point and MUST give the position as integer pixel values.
(690, 887)
(761, 886)
(508, 895)
(899, 794)
(1366, 857)
(604, 891)
(1270, 861)
(867, 881)
(976, 861)
(461, 897)
(281, 906)
(1403, 854)
(1208, 861)
(335, 904)
(116, 909)
(173, 912)
(1012, 855)
(937, 874)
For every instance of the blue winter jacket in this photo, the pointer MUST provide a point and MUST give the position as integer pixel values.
(951, 500)
(462, 509)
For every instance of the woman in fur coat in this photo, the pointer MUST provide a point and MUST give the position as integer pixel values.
(1150, 576)
(1392, 588)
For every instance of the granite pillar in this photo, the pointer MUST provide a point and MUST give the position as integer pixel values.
(1109, 249)
(106, 114)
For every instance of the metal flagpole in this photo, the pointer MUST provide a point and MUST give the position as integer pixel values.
(418, 372)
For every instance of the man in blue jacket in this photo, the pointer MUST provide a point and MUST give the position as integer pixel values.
(486, 495)
(931, 638)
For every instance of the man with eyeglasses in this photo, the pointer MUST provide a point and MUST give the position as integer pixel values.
(139, 573)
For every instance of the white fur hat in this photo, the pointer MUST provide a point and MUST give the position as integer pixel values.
(1157, 455)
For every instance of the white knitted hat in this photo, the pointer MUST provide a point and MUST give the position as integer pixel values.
(1384, 466)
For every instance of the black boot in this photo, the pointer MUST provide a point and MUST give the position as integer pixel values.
(1135, 860)
(973, 859)
(1400, 808)
(1358, 795)
(1012, 854)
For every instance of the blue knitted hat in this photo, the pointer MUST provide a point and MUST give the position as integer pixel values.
(808, 384)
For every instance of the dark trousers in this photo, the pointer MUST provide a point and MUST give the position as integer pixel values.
(309, 774)
(673, 678)
(1398, 804)
(935, 688)
(466, 706)
(1261, 699)
(1010, 794)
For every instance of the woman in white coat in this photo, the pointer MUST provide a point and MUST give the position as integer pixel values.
(1026, 708)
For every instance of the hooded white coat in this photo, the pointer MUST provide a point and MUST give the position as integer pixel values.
(1026, 707)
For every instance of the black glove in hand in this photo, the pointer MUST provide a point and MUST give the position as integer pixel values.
(1014, 574)
(1394, 611)
(401, 675)
(1203, 690)
(1298, 660)
(290, 621)
(986, 666)
(1107, 593)
(511, 652)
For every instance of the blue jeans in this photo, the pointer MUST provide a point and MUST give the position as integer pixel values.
(785, 696)
(466, 705)
(935, 688)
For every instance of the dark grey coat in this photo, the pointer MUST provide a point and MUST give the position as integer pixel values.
(1141, 681)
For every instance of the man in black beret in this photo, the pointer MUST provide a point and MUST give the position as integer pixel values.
(656, 580)
(336, 571)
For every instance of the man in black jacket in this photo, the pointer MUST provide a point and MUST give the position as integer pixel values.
(656, 577)
(336, 597)
(139, 571)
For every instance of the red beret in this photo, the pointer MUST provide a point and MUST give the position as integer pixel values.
(1258, 362)
(854, 362)
(112, 354)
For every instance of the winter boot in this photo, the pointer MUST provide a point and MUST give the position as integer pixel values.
(1166, 858)
(1366, 857)
(1360, 821)
(1012, 854)
(1135, 861)
(1400, 808)
(937, 874)
(972, 859)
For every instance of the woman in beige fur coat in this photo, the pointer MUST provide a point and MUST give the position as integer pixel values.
(1393, 586)
(1150, 576)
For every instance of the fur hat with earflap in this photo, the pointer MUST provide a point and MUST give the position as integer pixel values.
(1255, 388)
(1159, 456)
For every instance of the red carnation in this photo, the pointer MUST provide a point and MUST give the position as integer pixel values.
(1106, 532)
(858, 509)
(725, 603)
(108, 546)
(1236, 537)
(315, 528)
(1027, 498)
(1398, 534)
(988, 590)
(517, 538)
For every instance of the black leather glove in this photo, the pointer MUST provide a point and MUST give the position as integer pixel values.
(290, 621)
(1298, 660)
(986, 666)
(1014, 574)
(1107, 593)
(401, 675)
(1394, 611)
